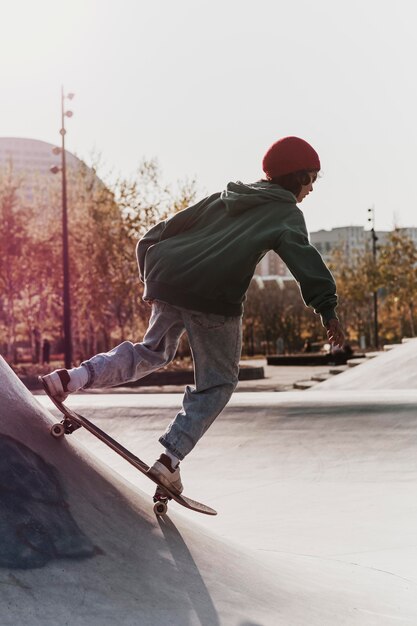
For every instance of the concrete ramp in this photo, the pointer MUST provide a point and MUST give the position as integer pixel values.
(317, 514)
(79, 545)
(395, 369)
(320, 488)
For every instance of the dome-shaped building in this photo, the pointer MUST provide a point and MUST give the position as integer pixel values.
(32, 156)
(28, 162)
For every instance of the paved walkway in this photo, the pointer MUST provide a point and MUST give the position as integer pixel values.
(277, 378)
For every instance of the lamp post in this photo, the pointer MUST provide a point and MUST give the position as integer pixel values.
(65, 255)
(371, 218)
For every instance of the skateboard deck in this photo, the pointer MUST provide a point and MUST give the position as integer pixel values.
(73, 420)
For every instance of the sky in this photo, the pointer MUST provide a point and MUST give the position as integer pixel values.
(206, 86)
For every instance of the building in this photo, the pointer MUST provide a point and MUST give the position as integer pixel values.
(272, 265)
(410, 232)
(30, 161)
(32, 156)
(353, 240)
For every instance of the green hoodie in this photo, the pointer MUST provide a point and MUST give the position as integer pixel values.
(203, 258)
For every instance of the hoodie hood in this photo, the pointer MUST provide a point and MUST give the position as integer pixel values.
(239, 197)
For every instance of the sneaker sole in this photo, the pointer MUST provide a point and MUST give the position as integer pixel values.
(161, 480)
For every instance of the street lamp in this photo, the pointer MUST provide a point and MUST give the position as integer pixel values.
(65, 256)
(371, 218)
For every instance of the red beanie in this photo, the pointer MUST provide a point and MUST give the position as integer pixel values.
(290, 154)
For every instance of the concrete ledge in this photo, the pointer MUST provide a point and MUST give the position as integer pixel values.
(305, 384)
(338, 370)
(308, 359)
(372, 355)
(321, 377)
(356, 362)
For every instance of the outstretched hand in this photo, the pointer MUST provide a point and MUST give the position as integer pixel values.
(335, 333)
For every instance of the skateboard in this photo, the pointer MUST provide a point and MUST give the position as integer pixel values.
(72, 421)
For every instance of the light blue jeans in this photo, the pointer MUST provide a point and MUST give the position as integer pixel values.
(215, 342)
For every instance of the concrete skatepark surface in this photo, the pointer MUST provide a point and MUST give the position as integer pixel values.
(315, 494)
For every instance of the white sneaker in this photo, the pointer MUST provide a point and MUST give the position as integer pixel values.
(163, 472)
(57, 384)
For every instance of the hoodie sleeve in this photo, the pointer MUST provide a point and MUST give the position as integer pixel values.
(178, 223)
(316, 282)
(149, 239)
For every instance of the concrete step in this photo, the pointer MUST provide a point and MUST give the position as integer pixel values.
(320, 378)
(372, 355)
(356, 362)
(339, 369)
(304, 384)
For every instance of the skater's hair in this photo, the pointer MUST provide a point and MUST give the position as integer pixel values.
(294, 181)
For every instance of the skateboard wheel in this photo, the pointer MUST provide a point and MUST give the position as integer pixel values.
(160, 508)
(57, 430)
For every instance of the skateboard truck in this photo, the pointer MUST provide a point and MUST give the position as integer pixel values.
(67, 427)
(161, 500)
(64, 427)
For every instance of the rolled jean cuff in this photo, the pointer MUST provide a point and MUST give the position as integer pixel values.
(91, 374)
(173, 450)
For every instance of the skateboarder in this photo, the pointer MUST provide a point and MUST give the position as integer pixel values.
(196, 268)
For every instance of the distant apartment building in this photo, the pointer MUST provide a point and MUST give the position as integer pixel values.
(352, 240)
(272, 265)
(410, 232)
